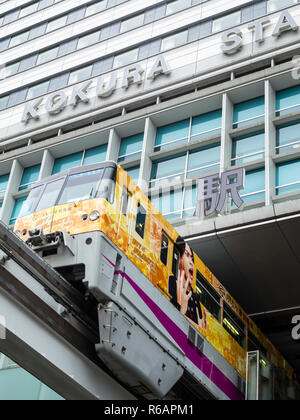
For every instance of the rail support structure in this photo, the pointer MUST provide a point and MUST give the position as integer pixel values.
(39, 339)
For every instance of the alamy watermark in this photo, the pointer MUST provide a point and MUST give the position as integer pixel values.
(296, 328)
(2, 327)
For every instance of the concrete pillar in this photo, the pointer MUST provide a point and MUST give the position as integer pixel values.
(114, 144)
(46, 165)
(270, 143)
(226, 143)
(12, 188)
(148, 147)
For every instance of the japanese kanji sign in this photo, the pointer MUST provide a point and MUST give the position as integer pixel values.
(213, 191)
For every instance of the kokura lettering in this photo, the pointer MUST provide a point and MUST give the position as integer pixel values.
(105, 87)
(233, 38)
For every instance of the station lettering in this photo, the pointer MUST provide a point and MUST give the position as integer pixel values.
(233, 38)
(105, 87)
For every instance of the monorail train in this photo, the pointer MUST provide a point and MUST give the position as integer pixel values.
(164, 318)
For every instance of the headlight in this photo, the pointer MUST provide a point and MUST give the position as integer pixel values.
(94, 216)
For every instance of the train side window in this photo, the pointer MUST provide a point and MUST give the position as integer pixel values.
(141, 221)
(254, 345)
(234, 326)
(164, 249)
(176, 261)
(208, 296)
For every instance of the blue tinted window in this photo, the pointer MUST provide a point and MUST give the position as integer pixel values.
(95, 155)
(172, 135)
(288, 138)
(3, 183)
(249, 112)
(169, 204)
(19, 202)
(204, 160)
(131, 147)
(248, 148)
(134, 173)
(173, 169)
(254, 186)
(206, 125)
(288, 177)
(67, 162)
(30, 176)
(288, 100)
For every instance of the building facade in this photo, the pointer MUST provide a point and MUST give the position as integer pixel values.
(173, 90)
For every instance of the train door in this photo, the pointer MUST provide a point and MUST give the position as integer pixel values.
(260, 378)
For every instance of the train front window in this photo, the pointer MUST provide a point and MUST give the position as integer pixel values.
(50, 194)
(30, 203)
(81, 187)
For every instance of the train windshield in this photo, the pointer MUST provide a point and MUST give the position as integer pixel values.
(30, 203)
(81, 186)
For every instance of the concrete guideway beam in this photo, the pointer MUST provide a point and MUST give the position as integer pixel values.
(44, 353)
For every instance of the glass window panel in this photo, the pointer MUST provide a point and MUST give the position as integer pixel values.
(254, 183)
(131, 147)
(149, 49)
(249, 112)
(17, 97)
(10, 70)
(11, 16)
(57, 23)
(154, 14)
(172, 134)
(87, 40)
(19, 203)
(67, 162)
(95, 8)
(50, 194)
(3, 183)
(48, 55)
(81, 186)
(207, 158)
(80, 75)
(134, 173)
(59, 82)
(76, 15)
(37, 31)
(28, 63)
(288, 100)
(67, 47)
(288, 177)
(126, 58)
(288, 135)
(19, 39)
(190, 198)
(177, 5)
(4, 102)
(174, 41)
(37, 90)
(209, 123)
(253, 145)
(225, 22)
(103, 66)
(132, 23)
(274, 5)
(95, 155)
(30, 176)
(110, 31)
(28, 10)
(172, 168)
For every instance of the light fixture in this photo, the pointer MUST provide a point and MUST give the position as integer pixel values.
(94, 216)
